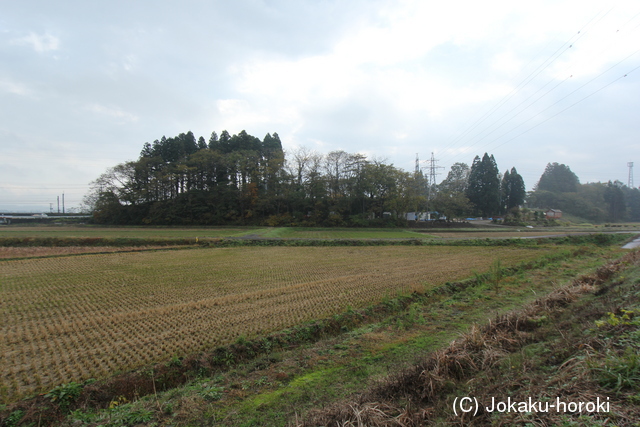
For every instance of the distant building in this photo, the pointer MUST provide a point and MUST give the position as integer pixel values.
(553, 213)
(417, 216)
(423, 216)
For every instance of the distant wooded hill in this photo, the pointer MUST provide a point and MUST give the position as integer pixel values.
(242, 179)
(559, 188)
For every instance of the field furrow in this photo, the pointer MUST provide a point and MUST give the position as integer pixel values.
(69, 319)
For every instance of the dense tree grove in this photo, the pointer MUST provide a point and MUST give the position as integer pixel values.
(240, 179)
(558, 178)
(559, 188)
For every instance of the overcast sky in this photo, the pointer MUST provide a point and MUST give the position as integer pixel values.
(84, 84)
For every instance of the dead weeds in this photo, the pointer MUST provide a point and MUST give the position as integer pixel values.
(474, 365)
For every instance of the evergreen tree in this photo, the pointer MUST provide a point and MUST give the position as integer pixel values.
(202, 144)
(615, 202)
(223, 143)
(272, 160)
(484, 185)
(214, 143)
(147, 150)
(187, 144)
(513, 190)
(632, 197)
(558, 178)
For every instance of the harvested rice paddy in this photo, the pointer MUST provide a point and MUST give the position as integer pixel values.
(89, 316)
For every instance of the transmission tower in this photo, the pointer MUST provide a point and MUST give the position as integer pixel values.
(630, 166)
(433, 171)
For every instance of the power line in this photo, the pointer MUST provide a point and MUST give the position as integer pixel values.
(563, 110)
(520, 112)
(530, 77)
(488, 130)
(557, 113)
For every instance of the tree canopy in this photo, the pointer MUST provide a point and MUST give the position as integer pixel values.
(558, 178)
(559, 188)
(242, 179)
(484, 185)
(513, 190)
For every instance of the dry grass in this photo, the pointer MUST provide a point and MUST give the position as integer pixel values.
(418, 395)
(73, 318)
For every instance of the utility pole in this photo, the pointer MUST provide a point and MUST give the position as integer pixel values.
(630, 166)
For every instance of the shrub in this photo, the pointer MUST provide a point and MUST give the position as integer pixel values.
(65, 394)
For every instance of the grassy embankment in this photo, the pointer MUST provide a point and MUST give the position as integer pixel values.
(574, 354)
